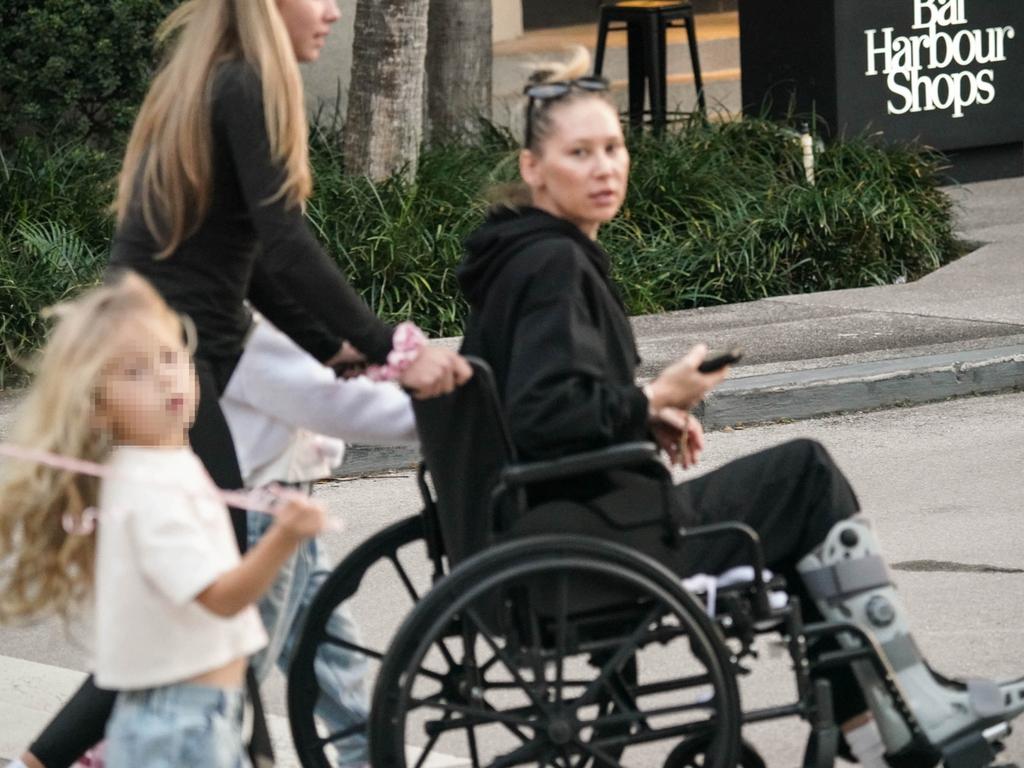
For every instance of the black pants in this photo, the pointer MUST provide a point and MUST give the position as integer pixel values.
(81, 723)
(791, 495)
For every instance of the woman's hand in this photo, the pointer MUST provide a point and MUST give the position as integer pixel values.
(679, 434)
(435, 371)
(681, 385)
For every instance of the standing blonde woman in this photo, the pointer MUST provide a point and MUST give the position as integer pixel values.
(210, 211)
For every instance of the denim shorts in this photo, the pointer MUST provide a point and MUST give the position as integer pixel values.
(177, 726)
(341, 673)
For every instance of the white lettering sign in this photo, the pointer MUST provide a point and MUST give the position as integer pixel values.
(917, 66)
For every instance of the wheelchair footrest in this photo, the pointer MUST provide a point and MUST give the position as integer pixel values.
(823, 744)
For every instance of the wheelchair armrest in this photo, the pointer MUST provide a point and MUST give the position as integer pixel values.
(615, 457)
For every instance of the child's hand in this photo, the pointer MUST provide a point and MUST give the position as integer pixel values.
(298, 514)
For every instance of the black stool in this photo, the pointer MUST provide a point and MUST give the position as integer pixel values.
(646, 23)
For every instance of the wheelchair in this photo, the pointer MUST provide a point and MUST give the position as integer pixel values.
(535, 648)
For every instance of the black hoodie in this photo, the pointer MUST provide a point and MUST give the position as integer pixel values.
(546, 316)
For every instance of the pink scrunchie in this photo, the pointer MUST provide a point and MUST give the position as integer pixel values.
(406, 344)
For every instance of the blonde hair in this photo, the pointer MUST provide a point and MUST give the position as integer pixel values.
(541, 123)
(169, 159)
(44, 568)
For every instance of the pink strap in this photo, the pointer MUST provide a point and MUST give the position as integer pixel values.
(406, 344)
(263, 500)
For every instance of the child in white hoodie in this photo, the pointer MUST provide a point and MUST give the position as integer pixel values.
(289, 416)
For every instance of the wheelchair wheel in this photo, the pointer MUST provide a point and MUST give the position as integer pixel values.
(388, 554)
(533, 675)
(693, 754)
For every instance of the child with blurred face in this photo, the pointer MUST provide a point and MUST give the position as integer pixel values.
(151, 543)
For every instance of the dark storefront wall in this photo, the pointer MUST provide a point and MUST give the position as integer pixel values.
(944, 73)
(542, 14)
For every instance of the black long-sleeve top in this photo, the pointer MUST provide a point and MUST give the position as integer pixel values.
(250, 245)
(547, 318)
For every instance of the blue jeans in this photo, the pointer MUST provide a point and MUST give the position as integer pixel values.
(344, 699)
(176, 726)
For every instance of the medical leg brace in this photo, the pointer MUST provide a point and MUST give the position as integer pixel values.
(849, 581)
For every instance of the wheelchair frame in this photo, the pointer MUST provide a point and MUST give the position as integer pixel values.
(744, 614)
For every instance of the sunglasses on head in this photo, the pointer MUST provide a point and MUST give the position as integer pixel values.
(551, 91)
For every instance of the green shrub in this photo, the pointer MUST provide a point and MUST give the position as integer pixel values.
(722, 213)
(399, 242)
(54, 234)
(715, 214)
(75, 69)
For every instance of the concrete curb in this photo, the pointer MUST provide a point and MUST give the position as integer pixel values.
(863, 386)
(808, 394)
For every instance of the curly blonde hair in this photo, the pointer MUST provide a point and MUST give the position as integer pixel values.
(44, 569)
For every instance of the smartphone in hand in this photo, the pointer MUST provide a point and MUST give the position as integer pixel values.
(712, 364)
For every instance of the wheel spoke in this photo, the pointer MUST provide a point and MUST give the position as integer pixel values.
(474, 718)
(344, 733)
(618, 718)
(404, 577)
(510, 726)
(445, 653)
(477, 714)
(561, 631)
(618, 690)
(486, 666)
(349, 645)
(508, 663)
(428, 748)
(499, 685)
(537, 653)
(607, 761)
(626, 649)
(527, 753)
(474, 753)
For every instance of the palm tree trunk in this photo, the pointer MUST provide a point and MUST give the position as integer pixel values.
(384, 120)
(459, 67)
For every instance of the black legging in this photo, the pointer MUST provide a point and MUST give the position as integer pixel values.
(80, 724)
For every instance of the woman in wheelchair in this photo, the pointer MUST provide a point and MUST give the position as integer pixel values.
(546, 316)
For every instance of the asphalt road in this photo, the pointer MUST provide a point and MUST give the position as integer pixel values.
(942, 483)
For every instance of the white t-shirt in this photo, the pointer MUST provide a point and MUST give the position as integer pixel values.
(162, 539)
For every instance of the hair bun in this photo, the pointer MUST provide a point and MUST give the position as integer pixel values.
(558, 71)
(540, 76)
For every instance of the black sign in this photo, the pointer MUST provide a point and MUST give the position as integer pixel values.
(947, 73)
